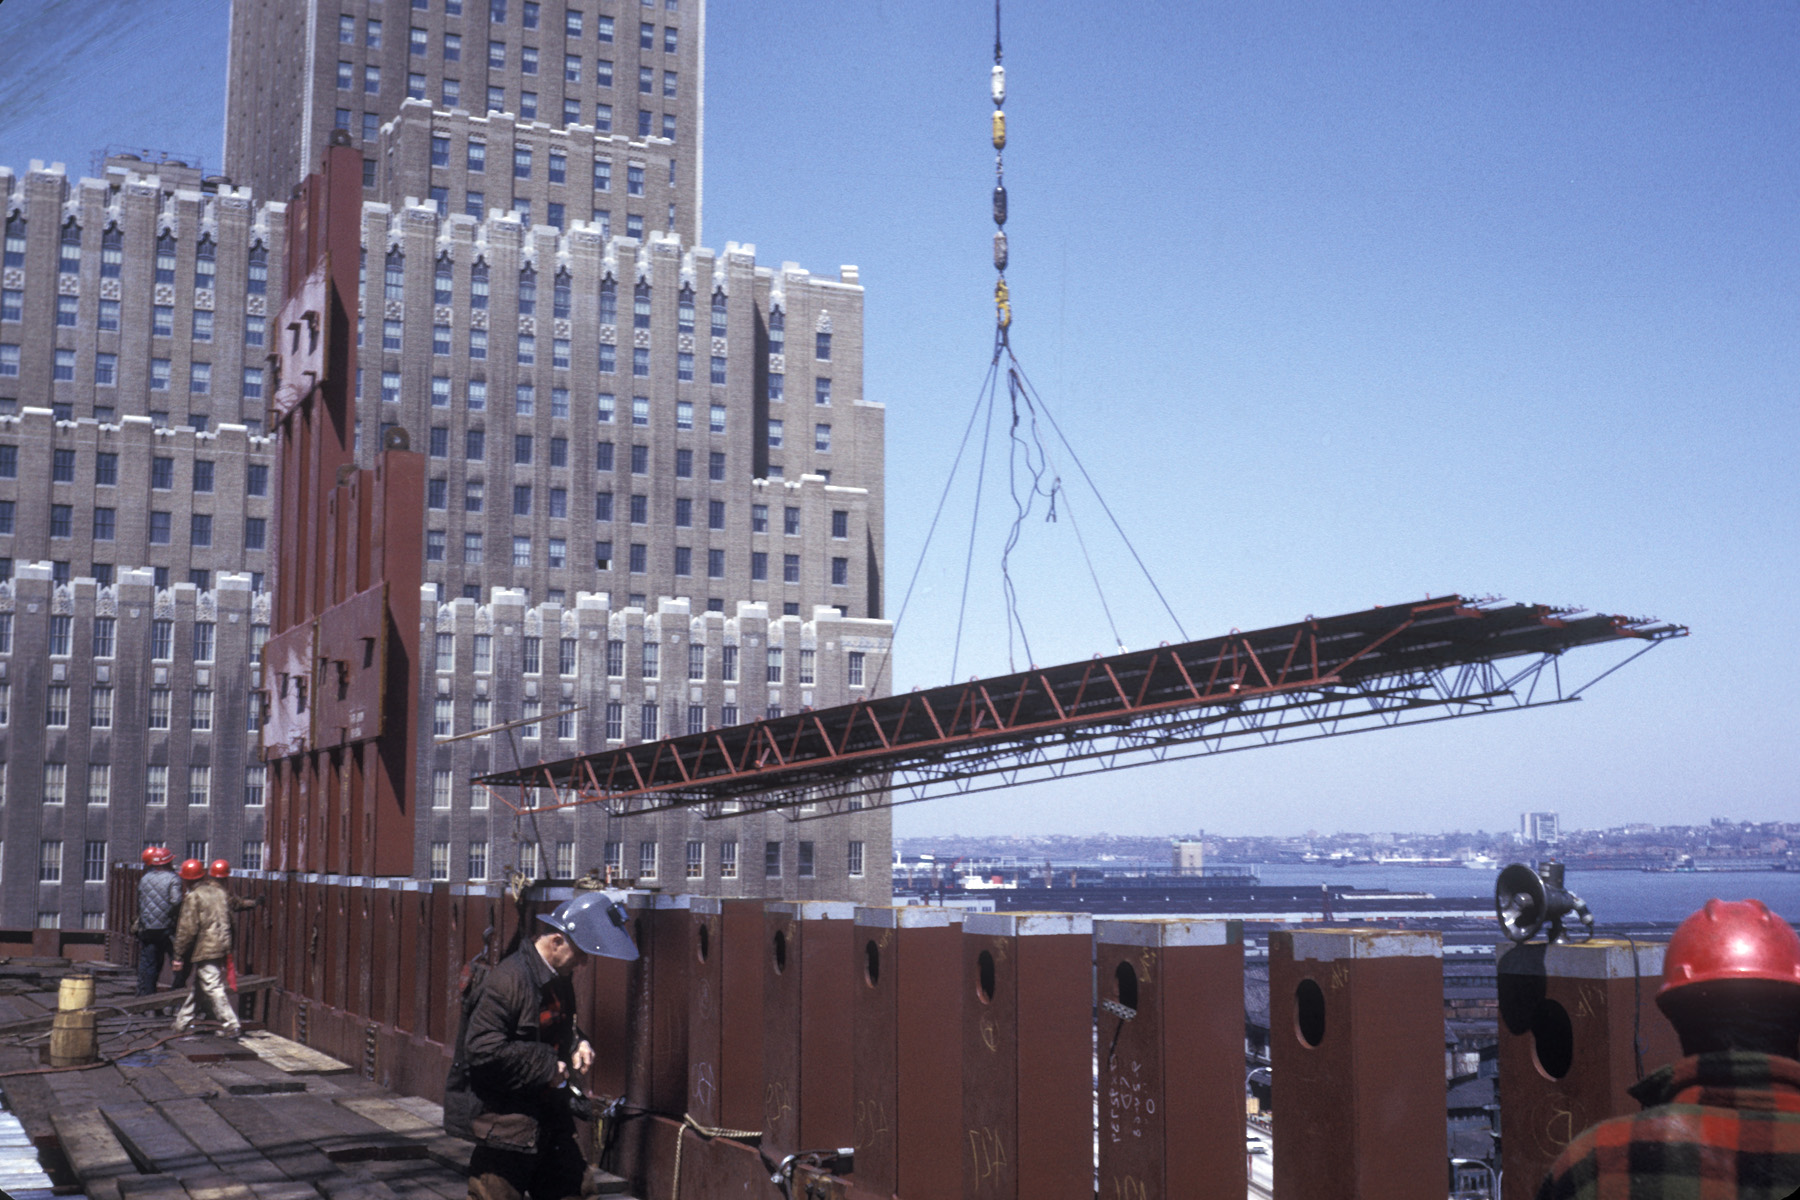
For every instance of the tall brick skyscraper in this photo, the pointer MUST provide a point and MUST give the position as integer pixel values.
(593, 69)
(654, 486)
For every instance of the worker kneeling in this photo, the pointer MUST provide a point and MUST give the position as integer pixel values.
(1725, 1120)
(511, 1087)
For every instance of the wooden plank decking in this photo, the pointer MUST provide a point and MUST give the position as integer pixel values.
(208, 1118)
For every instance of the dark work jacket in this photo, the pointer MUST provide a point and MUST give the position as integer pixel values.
(522, 1023)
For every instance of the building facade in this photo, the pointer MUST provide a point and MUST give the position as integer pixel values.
(646, 443)
(594, 68)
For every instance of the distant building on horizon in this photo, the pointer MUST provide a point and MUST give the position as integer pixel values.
(1539, 828)
(1189, 856)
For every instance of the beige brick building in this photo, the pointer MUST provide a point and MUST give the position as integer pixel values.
(642, 454)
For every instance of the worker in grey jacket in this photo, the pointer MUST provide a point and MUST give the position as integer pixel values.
(159, 904)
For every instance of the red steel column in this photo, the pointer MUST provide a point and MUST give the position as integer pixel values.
(659, 1017)
(807, 1094)
(706, 994)
(1569, 1019)
(908, 983)
(1356, 1044)
(1171, 1077)
(741, 1050)
(1028, 1030)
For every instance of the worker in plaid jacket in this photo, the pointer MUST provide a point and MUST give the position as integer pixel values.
(1724, 1121)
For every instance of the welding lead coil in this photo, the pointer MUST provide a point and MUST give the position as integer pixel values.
(997, 83)
(999, 252)
(999, 129)
(999, 204)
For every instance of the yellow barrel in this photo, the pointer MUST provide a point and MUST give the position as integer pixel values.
(72, 1038)
(74, 993)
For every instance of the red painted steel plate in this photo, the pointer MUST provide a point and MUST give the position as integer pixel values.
(353, 668)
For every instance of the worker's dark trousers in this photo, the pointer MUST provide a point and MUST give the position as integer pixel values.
(154, 946)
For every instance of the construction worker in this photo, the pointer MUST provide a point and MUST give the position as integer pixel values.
(519, 1053)
(203, 941)
(1725, 1120)
(159, 900)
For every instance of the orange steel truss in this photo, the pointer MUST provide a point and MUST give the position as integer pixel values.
(1404, 664)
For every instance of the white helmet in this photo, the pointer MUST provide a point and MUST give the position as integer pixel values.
(595, 923)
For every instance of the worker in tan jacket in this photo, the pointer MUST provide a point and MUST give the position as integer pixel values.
(203, 940)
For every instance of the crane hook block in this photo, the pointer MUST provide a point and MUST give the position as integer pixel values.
(998, 84)
(1002, 304)
(999, 252)
(999, 129)
(999, 204)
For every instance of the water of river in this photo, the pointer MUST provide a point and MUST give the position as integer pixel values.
(1624, 896)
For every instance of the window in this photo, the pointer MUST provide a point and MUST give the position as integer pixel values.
(772, 860)
(440, 860)
(65, 366)
(443, 716)
(437, 493)
(199, 786)
(200, 529)
(640, 460)
(790, 568)
(100, 707)
(472, 549)
(12, 305)
(559, 503)
(521, 554)
(50, 864)
(603, 456)
(759, 566)
(647, 860)
(774, 664)
(840, 572)
(522, 500)
(806, 666)
(202, 714)
(559, 167)
(99, 789)
(435, 538)
(206, 639)
(822, 389)
(156, 784)
(478, 861)
(68, 311)
(521, 162)
(684, 366)
(70, 261)
(805, 870)
(56, 705)
(522, 449)
(775, 433)
(684, 464)
(639, 562)
(652, 660)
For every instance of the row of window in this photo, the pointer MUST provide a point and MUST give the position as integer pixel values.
(108, 312)
(556, 558)
(64, 465)
(477, 863)
(199, 791)
(649, 719)
(528, 106)
(531, 659)
(62, 571)
(104, 634)
(112, 255)
(93, 870)
(161, 529)
(162, 372)
(161, 714)
(530, 16)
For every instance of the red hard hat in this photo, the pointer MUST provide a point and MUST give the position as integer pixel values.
(157, 856)
(219, 869)
(1731, 939)
(193, 869)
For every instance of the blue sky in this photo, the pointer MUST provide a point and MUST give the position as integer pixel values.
(1341, 305)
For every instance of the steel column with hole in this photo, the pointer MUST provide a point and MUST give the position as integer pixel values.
(1569, 1017)
(1028, 1038)
(807, 974)
(1171, 1072)
(909, 991)
(1356, 1046)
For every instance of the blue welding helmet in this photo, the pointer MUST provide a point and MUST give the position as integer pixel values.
(595, 923)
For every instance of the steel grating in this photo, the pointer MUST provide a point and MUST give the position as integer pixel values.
(1406, 664)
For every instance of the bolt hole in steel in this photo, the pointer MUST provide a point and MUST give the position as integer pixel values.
(1309, 1012)
(1126, 980)
(780, 949)
(1552, 1039)
(703, 942)
(871, 963)
(984, 977)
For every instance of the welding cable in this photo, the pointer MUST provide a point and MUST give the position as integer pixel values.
(709, 1132)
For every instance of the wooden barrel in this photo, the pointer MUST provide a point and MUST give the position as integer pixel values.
(72, 1038)
(74, 993)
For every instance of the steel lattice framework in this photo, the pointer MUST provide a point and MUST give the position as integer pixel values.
(1405, 664)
